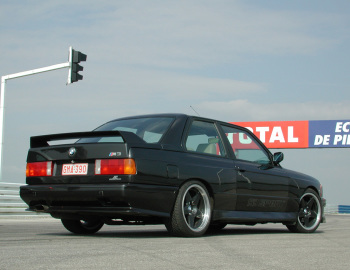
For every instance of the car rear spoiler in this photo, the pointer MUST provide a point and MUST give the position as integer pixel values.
(42, 141)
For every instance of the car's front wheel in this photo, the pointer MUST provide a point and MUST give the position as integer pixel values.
(310, 213)
(82, 226)
(192, 211)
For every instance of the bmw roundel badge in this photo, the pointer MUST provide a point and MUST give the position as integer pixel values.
(72, 151)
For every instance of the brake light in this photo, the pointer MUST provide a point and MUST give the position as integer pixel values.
(44, 168)
(115, 166)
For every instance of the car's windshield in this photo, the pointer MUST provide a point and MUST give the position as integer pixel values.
(150, 129)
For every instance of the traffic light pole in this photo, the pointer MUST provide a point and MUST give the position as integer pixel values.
(2, 97)
(74, 58)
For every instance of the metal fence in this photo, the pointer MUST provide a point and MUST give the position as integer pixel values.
(12, 204)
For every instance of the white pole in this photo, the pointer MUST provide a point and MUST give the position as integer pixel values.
(36, 71)
(2, 96)
(2, 109)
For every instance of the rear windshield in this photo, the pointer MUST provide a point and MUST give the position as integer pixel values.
(150, 129)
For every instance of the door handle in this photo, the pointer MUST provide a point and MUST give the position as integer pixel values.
(240, 169)
(241, 173)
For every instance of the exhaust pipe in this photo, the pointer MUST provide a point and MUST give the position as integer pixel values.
(40, 208)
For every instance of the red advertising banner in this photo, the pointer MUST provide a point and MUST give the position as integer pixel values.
(280, 134)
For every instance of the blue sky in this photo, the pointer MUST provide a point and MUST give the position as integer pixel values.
(230, 60)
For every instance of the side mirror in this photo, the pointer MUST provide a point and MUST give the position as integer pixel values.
(277, 158)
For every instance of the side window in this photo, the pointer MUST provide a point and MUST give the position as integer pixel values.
(203, 137)
(245, 147)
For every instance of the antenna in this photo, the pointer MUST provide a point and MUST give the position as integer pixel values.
(194, 110)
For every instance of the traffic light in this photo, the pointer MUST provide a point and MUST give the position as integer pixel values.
(75, 57)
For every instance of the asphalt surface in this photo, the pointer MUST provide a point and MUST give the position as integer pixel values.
(43, 243)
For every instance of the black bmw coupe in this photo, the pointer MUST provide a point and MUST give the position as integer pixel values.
(192, 174)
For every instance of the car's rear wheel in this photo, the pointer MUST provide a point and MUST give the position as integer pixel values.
(192, 211)
(89, 226)
(310, 213)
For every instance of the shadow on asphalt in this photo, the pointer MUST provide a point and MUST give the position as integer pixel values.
(163, 233)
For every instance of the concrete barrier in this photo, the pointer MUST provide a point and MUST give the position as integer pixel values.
(344, 209)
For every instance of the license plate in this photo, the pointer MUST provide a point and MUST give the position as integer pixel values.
(75, 169)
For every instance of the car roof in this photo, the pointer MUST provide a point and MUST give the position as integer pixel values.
(177, 115)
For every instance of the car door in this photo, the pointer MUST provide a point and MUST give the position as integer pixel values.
(206, 159)
(261, 185)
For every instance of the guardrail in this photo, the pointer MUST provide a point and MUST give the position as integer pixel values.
(12, 204)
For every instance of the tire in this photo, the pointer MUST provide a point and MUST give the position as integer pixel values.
(310, 213)
(82, 226)
(192, 211)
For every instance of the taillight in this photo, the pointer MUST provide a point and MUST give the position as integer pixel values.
(44, 168)
(115, 166)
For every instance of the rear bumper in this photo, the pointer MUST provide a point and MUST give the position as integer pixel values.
(104, 200)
